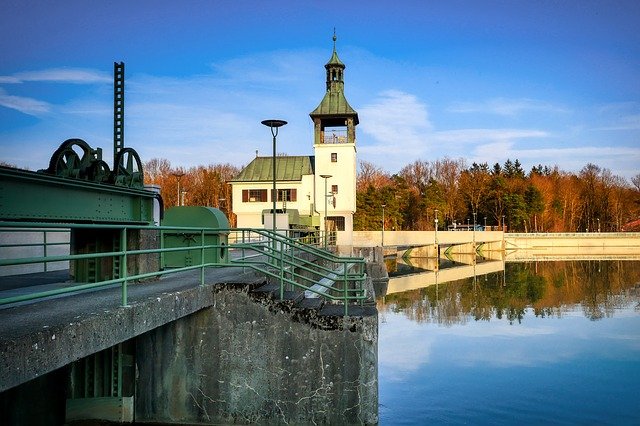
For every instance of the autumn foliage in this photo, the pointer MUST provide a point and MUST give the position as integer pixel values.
(543, 200)
(199, 186)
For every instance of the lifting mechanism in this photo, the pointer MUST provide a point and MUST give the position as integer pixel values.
(76, 159)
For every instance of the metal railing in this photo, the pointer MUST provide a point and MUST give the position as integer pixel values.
(294, 263)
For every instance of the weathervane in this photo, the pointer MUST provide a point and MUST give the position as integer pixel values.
(334, 39)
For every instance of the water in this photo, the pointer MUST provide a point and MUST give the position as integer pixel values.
(538, 342)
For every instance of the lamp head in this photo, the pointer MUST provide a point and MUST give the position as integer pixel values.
(274, 123)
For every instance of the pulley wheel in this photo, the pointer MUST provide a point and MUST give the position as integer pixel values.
(99, 172)
(71, 159)
(128, 169)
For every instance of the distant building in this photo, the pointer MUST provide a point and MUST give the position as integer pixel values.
(299, 182)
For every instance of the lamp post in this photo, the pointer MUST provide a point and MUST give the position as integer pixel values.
(485, 223)
(178, 176)
(598, 224)
(274, 125)
(474, 228)
(221, 203)
(383, 206)
(502, 223)
(325, 177)
(436, 224)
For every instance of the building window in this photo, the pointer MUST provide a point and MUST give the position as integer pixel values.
(334, 157)
(254, 195)
(335, 223)
(334, 189)
(288, 194)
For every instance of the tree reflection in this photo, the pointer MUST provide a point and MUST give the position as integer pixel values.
(546, 289)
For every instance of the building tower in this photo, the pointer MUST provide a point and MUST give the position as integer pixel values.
(334, 148)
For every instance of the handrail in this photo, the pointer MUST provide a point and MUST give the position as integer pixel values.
(277, 256)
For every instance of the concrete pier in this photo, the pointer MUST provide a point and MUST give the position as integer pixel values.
(224, 352)
(267, 362)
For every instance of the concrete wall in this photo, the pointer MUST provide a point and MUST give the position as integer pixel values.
(248, 360)
(576, 243)
(402, 238)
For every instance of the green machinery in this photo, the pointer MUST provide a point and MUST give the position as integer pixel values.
(201, 217)
(78, 186)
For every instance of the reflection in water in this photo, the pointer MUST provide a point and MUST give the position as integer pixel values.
(548, 288)
(529, 343)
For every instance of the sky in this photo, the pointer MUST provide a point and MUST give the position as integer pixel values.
(544, 82)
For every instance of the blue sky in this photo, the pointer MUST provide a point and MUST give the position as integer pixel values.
(550, 82)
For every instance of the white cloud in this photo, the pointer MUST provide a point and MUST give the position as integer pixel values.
(25, 105)
(60, 75)
(396, 125)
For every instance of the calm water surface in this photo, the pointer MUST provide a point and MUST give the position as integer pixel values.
(538, 342)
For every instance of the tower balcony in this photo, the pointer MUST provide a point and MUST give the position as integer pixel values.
(335, 137)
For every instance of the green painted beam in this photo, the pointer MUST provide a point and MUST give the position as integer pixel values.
(31, 196)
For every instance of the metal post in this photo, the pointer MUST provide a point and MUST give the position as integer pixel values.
(123, 264)
(436, 221)
(178, 176)
(474, 229)
(274, 125)
(325, 177)
(202, 256)
(44, 240)
(383, 206)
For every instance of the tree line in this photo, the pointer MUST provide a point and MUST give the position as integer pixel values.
(198, 186)
(545, 199)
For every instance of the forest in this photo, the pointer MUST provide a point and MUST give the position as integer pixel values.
(545, 199)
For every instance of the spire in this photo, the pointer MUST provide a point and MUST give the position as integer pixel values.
(334, 39)
(334, 63)
(334, 108)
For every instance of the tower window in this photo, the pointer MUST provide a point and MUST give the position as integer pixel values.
(334, 157)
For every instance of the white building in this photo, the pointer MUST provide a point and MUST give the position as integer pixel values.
(301, 180)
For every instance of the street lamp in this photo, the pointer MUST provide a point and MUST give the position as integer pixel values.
(474, 228)
(598, 224)
(436, 223)
(502, 223)
(274, 125)
(485, 223)
(325, 177)
(383, 206)
(178, 176)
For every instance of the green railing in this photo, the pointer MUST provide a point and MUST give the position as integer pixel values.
(301, 264)
(294, 263)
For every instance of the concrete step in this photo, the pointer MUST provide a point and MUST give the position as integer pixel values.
(272, 291)
(310, 303)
